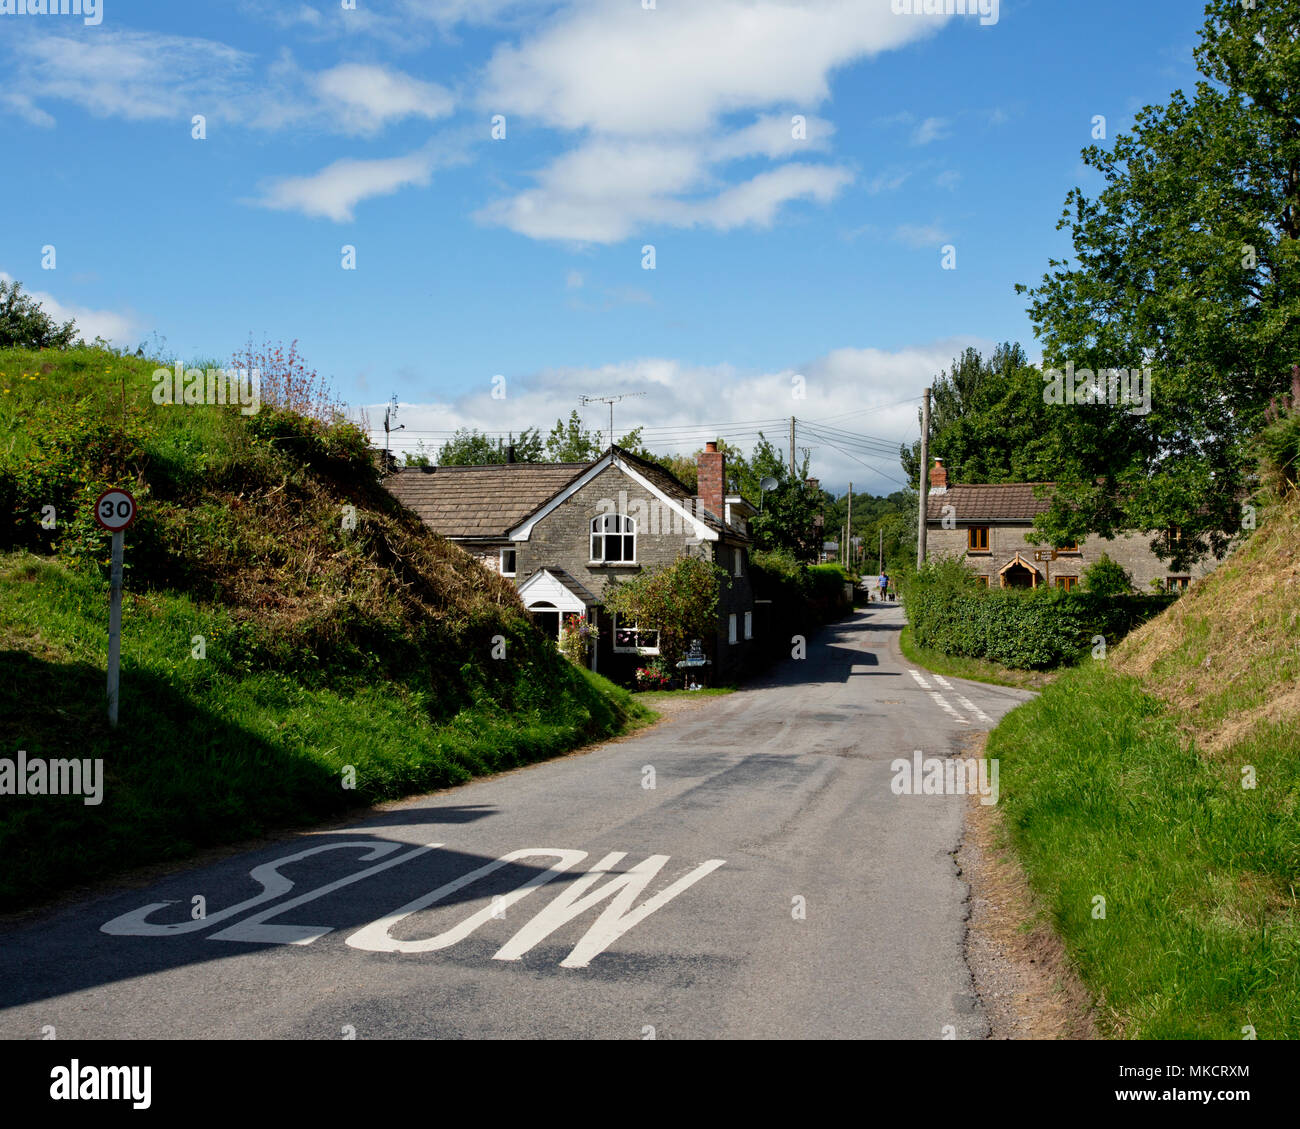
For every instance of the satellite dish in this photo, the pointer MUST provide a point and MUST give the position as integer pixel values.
(768, 483)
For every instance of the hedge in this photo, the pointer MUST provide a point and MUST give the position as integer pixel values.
(1026, 629)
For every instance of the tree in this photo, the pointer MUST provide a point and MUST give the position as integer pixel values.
(470, 447)
(419, 457)
(570, 442)
(679, 600)
(1188, 262)
(788, 520)
(988, 421)
(24, 324)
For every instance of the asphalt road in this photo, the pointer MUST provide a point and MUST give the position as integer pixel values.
(800, 897)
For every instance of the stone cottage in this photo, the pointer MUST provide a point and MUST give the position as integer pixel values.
(564, 531)
(986, 524)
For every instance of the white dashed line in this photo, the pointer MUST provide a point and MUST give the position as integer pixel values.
(968, 704)
(939, 699)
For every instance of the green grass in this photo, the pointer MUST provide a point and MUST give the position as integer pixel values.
(977, 670)
(1103, 795)
(650, 697)
(207, 754)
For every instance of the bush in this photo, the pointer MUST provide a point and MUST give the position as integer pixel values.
(1106, 577)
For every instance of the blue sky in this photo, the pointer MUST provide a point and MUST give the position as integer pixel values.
(776, 256)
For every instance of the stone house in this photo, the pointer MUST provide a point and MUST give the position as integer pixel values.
(563, 532)
(986, 524)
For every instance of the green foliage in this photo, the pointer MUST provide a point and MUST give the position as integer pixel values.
(1026, 629)
(1188, 261)
(788, 520)
(679, 600)
(1107, 577)
(988, 422)
(470, 447)
(1278, 444)
(24, 324)
(570, 442)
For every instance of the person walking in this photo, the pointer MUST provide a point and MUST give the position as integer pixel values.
(884, 587)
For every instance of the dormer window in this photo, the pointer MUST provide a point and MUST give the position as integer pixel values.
(613, 539)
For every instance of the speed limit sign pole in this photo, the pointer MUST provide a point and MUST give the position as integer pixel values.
(115, 510)
(115, 626)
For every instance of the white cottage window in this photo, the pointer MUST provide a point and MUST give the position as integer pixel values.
(613, 539)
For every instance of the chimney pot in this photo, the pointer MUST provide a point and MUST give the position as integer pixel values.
(938, 477)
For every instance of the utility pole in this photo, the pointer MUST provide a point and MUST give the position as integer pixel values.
(792, 447)
(881, 561)
(923, 504)
(390, 416)
(850, 525)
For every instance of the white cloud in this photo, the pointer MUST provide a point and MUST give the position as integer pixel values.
(337, 189)
(921, 235)
(872, 391)
(948, 179)
(653, 95)
(367, 97)
(931, 129)
(148, 76)
(111, 325)
(621, 68)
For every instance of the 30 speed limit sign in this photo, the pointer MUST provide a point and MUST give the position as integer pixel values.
(115, 510)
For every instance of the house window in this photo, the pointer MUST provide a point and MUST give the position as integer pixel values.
(1069, 548)
(737, 562)
(613, 539)
(984, 581)
(977, 539)
(507, 562)
(1067, 582)
(1177, 583)
(634, 640)
(749, 625)
(731, 628)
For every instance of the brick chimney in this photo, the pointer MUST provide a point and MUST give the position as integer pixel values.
(938, 478)
(712, 485)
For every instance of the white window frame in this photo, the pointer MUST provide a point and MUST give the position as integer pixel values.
(737, 562)
(637, 650)
(749, 625)
(501, 560)
(624, 526)
(731, 629)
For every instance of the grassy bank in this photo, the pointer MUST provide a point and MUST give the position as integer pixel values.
(207, 754)
(1167, 782)
(288, 629)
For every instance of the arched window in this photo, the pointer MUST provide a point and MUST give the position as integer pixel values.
(613, 539)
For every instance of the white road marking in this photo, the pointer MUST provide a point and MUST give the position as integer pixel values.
(946, 706)
(618, 917)
(375, 936)
(938, 698)
(254, 929)
(968, 704)
(268, 876)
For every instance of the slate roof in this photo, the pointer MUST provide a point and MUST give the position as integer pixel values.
(479, 501)
(489, 501)
(982, 502)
